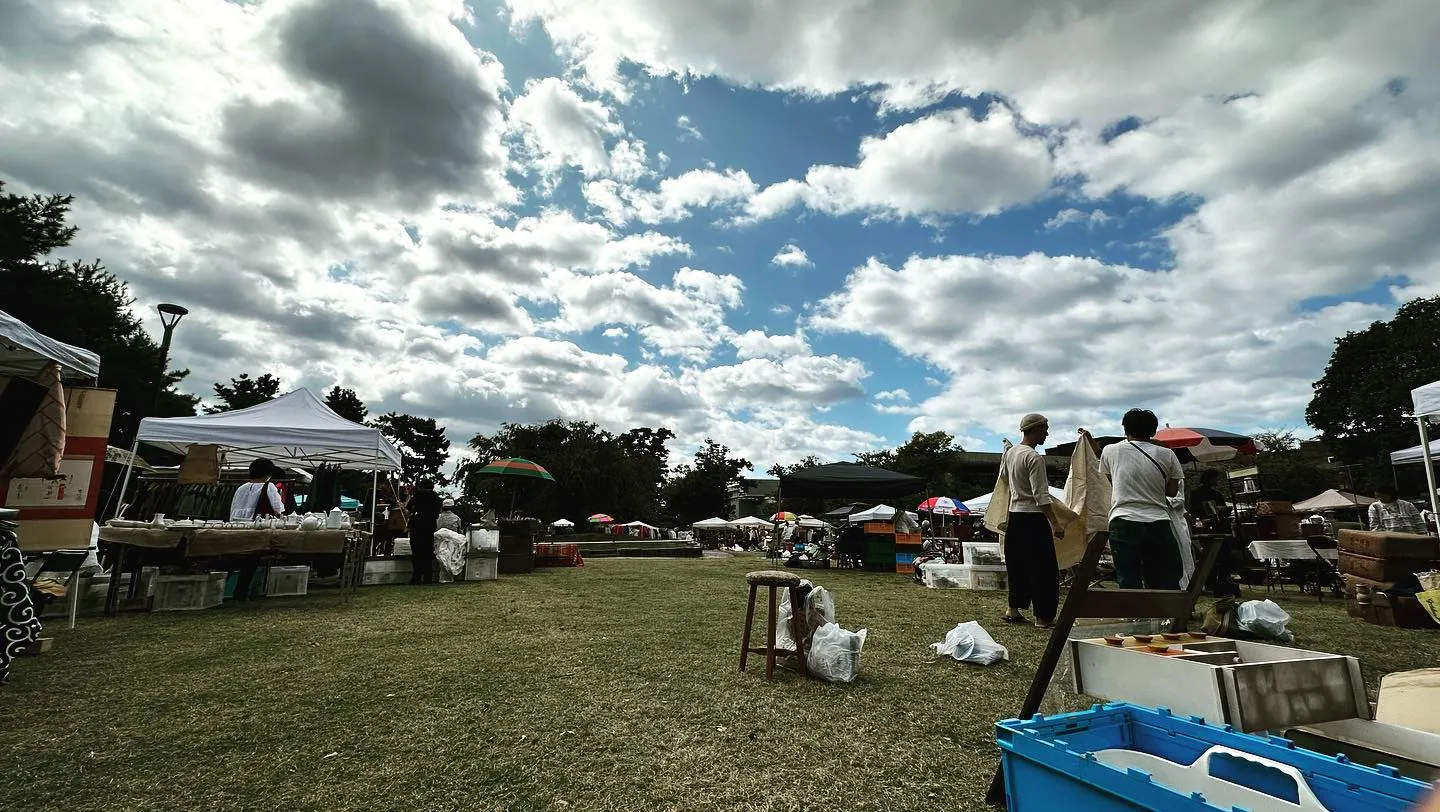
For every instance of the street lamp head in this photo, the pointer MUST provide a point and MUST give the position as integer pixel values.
(170, 314)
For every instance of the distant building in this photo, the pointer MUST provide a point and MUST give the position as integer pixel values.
(749, 496)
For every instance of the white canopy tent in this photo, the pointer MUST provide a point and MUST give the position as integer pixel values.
(562, 523)
(25, 352)
(711, 524)
(1427, 405)
(811, 521)
(752, 521)
(1334, 500)
(879, 513)
(980, 503)
(295, 428)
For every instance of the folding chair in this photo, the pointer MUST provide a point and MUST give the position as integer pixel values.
(59, 567)
(1324, 574)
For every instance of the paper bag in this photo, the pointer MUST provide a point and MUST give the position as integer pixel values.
(201, 466)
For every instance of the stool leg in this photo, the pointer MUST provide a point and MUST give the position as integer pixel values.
(770, 639)
(798, 622)
(749, 618)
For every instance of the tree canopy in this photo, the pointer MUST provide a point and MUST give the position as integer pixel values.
(423, 446)
(701, 489)
(595, 471)
(347, 404)
(1362, 404)
(85, 305)
(243, 392)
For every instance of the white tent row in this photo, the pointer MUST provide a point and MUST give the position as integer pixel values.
(980, 503)
(752, 521)
(1427, 405)
(714, 523)
(25, 352)
(293, 428)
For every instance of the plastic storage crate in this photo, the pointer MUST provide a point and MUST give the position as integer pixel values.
(283, 581)
(175, 593)
(988, 552)
(1123, 757)
(482, 566)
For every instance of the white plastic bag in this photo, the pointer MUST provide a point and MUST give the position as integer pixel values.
(819, 610)
(835, 653)
(970, 643)
(1264, 619)
(450, 550)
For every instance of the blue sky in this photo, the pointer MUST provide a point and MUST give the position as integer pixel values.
(523, 210)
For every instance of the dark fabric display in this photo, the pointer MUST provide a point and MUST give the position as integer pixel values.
(182, 501)
(19, 626)
(20, 399)
(324, 491)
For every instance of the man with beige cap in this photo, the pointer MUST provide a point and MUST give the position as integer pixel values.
(1031, 528)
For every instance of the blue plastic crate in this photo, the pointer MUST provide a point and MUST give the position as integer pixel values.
(1047, 759)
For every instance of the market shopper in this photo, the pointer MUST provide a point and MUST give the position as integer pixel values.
(1143, 475)
(256, 499)
(1031, 528)
(424, 509)
(1394, 515)
(449, 519)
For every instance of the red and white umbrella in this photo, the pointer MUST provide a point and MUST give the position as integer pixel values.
(942, 506)
(1207, 445)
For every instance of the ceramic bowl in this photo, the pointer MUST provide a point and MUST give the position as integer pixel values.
(1173, 637)
(1115, 640)
(1143, 639)
(1158, 645)
(1198, 635)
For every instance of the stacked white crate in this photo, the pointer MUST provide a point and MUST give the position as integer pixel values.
(189, 592)
(283, 581)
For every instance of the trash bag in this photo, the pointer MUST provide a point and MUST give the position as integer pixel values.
(819, 610)
(1264, 619)
(835, 653)
(970, 643)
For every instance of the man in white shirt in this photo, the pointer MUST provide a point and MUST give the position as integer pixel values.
(1030, 528)
(1394, 515)
(1143, 475)
(258, 497)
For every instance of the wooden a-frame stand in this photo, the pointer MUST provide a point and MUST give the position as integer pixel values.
(1085, 602)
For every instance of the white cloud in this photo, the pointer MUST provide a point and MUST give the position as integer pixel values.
(1090, 219)
(674, 197)
(791, 256)
(688, 129)
(759, 344)
(685, 320)
(615, 332)
(898, 395)
(561, 129)
(944, 163)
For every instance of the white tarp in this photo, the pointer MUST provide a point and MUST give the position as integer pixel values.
(1427, 399)
(24, 352)
(811, 521)
(1333, 500)
(879, 513)
(711, 524)
(1414, 454)
(296, 427)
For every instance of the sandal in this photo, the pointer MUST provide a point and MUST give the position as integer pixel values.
(1014, 618)
(1041, 624)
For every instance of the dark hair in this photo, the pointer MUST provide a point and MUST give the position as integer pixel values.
(425, 485)
(1140, 423)
(1387, 490)
(1209, 476)
(260, 468)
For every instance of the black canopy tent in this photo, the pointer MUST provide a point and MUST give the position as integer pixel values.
(848, 480)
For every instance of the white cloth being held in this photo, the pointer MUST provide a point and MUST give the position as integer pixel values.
(1181, 529)
(242, 505)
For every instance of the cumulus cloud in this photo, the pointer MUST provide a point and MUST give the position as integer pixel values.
(759, 344)
(791, 256)
(1091, 220)
(561, 129)
(688, 129)
(674, 197)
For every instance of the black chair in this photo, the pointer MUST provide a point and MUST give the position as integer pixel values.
(61, 567)
(1323, 574)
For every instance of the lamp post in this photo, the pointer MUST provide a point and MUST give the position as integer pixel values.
(170, 315)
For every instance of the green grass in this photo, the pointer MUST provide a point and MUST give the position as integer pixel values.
(614, 686)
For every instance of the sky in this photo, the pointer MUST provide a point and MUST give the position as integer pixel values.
(793, 226)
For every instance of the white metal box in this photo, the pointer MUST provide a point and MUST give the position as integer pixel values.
(189, 592)
(283, 581)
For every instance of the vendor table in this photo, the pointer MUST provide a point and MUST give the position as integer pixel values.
(203, 542)
(1289, 550)
(558, 554)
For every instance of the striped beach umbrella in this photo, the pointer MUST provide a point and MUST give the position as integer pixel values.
(600, 518)
(784, 516)
(516, 466)
(942, 506)
(1207, 445)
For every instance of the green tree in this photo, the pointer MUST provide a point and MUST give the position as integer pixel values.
(1286, 471)
(347, 404)
(423, 446)
(595, 471)
(243, 392)
(85, 305)
(1362, 404)
(701, 489)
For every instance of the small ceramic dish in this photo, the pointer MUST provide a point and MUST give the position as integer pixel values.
(1198, 635)
(1115, 640)
(1143, 639)
(1158, 646)
(1173, 637)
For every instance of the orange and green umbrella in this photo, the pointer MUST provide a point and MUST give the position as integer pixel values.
(784, 516)
(600, 518)
(516, 466)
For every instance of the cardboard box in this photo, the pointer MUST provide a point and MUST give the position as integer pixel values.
(1382, 569)
(1387, 545)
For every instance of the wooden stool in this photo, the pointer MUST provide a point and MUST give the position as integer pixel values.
(775, 580)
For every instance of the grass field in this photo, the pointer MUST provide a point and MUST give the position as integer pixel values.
(614, 686)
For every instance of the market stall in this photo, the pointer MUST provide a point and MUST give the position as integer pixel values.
(1427, 407)
(869, 540)
(296, 428)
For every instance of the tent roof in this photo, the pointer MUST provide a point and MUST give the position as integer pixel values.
(751, 521)
(1427, 399)
(979, 503)
(295, 427)
(1334, 500)
(1413, 454)
(712, 522)
(878, 513)
(562, 523)
(848, 480)
(24, 352)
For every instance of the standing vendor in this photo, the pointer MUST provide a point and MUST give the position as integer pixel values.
(424, 509)
(256, 499)
(1031, 528)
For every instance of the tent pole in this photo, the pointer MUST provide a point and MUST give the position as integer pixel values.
(1421, 421)
(125, 478)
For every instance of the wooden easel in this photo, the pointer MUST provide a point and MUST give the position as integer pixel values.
(1085, 602)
